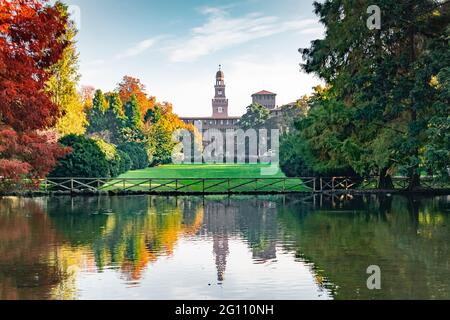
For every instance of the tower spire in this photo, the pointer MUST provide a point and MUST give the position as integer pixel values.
(220, 101)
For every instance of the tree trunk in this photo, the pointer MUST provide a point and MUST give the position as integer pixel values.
(414, 183)
(385, 180)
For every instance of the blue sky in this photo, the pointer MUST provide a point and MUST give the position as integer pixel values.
(175, 48)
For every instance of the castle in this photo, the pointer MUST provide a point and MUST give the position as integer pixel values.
(220, 118)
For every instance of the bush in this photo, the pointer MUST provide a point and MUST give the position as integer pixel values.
(124, 162)
(296, 160)
(137, 153)
(86, 160)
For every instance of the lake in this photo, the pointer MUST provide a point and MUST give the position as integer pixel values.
(266, 247)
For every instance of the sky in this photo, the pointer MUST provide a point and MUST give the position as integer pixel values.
(175, 47)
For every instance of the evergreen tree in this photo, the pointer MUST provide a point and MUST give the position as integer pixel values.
(96, 115)
(384, 77)
(133, 114)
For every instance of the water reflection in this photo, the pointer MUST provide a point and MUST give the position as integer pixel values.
(224, 248)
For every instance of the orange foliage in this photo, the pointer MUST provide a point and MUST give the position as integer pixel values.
(131, 86)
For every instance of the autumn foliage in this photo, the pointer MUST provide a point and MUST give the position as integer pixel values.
(129, 87)
(30, 43)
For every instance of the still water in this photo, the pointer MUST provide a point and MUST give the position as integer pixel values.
(286, 247)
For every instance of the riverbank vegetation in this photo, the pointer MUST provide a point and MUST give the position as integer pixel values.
(48, 127)
(385, 108)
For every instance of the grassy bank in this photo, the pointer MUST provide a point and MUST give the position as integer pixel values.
(203, 171)
(242, 179)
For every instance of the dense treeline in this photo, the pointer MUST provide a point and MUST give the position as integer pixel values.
(48, 127)
(385, 108)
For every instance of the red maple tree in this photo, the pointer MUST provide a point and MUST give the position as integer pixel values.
(30, 42)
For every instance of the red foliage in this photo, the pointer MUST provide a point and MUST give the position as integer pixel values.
(13, 169)
(30, 42)
(28, 154)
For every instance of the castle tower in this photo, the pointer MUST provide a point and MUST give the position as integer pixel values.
(220, 101)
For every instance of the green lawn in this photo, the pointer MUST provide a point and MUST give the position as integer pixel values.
(219, 178)
(203, 171)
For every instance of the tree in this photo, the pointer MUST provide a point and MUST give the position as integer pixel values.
(115, 117)
(383, 76)
(107, 117)
(31, 42)
(137, 153)
(86, 160)
(133, 114)
(87, 96)
(96, 115)
(320, 144)
(255, 118)
(159, 132)
(63, 82)
(130, 87)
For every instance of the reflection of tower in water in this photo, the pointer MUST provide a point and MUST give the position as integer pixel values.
(220, 222)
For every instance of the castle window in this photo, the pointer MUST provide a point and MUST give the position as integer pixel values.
(220, 110)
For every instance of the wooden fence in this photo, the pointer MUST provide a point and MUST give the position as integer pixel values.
(180, 185)
(212, 185)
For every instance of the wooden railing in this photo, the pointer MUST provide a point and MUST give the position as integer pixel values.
(180, 185)
(210, 185)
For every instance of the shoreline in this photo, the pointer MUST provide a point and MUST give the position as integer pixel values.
(35, 194)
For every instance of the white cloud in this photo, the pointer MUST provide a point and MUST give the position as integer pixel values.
(138, 48)
(221, 31)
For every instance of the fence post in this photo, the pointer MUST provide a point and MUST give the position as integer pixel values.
(332, 185)
(71, 185)
(314, 186)
(321, 184)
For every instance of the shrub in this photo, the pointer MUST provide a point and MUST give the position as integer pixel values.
(137, 153)
(86, 160)
(125, 161)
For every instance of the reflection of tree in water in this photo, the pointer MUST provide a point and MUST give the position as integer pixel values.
(409, 242)
(28, 265)
(124, 234)
(407, 238)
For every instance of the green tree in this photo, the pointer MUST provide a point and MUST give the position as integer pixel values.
(384, 77)
(62, 85)
(153, 115)
(96, 115)
(86, 160)
(115, 117)
(137, 153)
(133, 114)
(255, 117)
